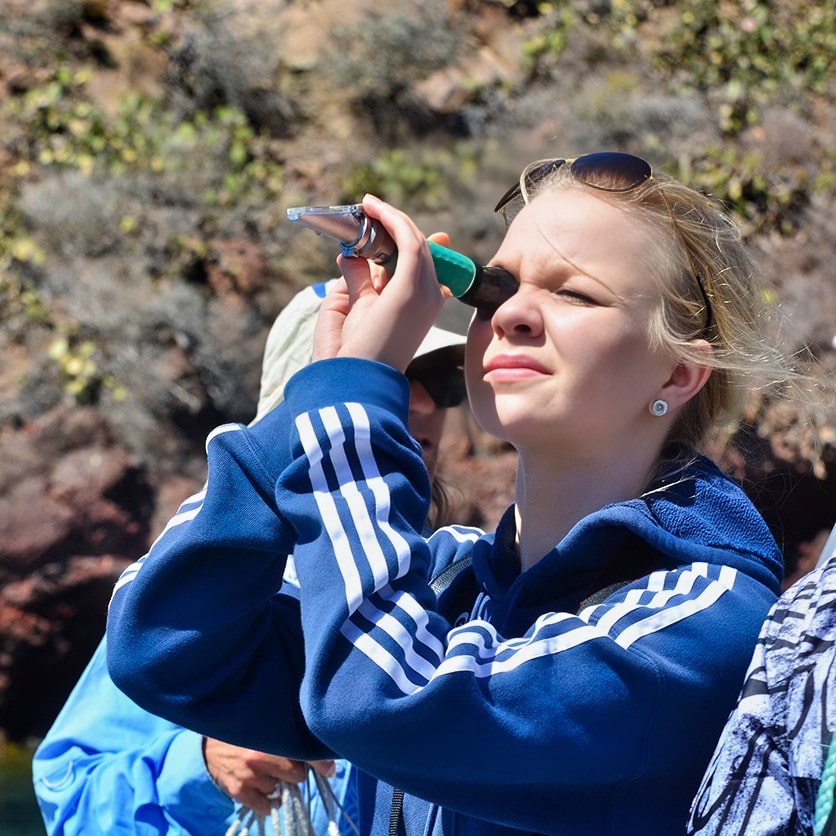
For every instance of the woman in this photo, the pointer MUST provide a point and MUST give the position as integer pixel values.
(606, 624)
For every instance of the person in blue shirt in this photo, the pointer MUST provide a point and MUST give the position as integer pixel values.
(108, 766)
(576, 667)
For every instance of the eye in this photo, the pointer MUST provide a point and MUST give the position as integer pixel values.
(574, 295)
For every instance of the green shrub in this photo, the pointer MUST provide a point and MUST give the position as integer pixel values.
(765, 199)
(20, 303)
(421, 178)
(742, 53)
(68, 130)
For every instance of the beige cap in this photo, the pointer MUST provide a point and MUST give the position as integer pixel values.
(289, 342)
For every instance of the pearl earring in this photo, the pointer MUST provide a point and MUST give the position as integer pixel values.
(659, 408)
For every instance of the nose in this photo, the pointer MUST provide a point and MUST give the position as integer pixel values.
(519, 314)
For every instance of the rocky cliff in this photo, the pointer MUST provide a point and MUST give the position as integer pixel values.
(148, 152)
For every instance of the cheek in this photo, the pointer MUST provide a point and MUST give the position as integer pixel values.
(627, 369)
(478, 338)
(481, 399)
(612, 339)
(435, 425)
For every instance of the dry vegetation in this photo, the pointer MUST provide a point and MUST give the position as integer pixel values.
(149, 148)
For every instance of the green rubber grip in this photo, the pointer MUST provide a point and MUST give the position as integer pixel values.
(453, 269)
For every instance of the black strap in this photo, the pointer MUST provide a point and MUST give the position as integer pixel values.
(396, 812)
(446, 576)
(456, 588)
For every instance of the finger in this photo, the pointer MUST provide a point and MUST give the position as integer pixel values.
(415, 264)
(410, 241)
(330, 321)
(337, 296)
(266, 783)
(415, 274)
(379, 276)
(269, 769)
(389, 325)
(283, 769)
(256, 801)
(357, 275)
(439, 238)
(327, 769)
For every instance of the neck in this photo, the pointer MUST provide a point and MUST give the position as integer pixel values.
(551, 499)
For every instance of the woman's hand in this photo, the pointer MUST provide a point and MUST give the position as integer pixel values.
(375, 317)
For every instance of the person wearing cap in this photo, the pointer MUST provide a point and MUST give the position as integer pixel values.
(108, 766)
(436, 377)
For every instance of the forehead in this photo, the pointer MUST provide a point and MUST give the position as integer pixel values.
(575, 227)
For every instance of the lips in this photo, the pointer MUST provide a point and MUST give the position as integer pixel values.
(514, 365)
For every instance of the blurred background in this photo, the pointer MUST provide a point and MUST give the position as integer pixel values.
(150, 148)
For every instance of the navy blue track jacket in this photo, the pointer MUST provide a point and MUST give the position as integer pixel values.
(527, 716)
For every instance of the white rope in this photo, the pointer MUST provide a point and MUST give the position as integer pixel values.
(332, 805)
(296, 818)
(241, 825)
(290, 814)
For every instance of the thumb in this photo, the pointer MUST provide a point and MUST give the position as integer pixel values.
(327, 769)
(357, 275)
(440, 238)
(329, 322)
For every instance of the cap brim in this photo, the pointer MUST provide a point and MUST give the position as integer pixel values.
(289, 342)
(450, 328)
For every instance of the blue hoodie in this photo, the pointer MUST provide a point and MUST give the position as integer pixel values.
(524, 715)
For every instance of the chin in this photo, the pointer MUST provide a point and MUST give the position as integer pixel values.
(504, 420)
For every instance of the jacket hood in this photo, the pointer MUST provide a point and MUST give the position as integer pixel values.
(693, 514)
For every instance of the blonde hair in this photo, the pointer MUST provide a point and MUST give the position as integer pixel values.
(709, 288)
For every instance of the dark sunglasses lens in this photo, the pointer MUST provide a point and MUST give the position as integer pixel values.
(444, 385)
(611, 171)
(535, 175)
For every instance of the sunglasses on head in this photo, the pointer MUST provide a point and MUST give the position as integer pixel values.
(608, 171)
(444, 384)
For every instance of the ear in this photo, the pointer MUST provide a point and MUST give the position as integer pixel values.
(687, 378)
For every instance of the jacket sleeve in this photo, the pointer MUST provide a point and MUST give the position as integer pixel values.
(196, 630)
(556, 720)
(107, 766)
